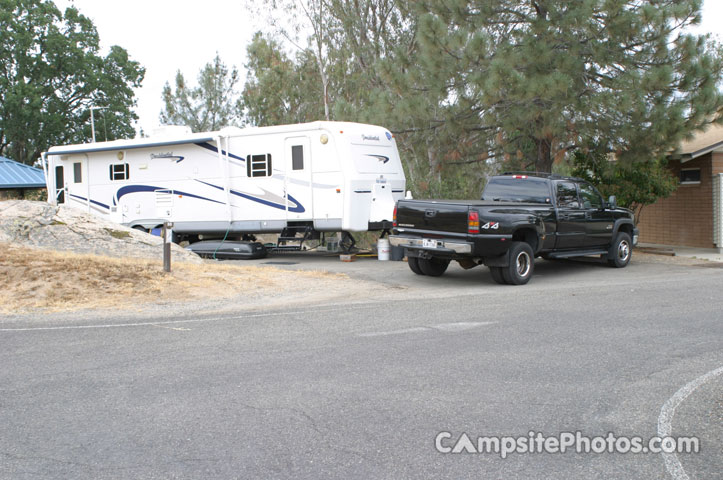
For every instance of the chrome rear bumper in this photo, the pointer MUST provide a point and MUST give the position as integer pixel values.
(440, 245)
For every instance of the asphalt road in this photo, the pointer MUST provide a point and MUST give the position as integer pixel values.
(361, 390)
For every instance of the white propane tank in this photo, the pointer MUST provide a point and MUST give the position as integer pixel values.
(383, 249)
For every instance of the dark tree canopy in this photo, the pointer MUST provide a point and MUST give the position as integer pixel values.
(473, 86)
(541, 78)
(50, 76)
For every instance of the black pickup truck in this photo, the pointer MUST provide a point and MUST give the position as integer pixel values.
(520, 216)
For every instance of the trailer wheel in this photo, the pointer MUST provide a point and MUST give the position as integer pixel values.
(497, 275)
(434, 267)
(413, 263)
(522, 264)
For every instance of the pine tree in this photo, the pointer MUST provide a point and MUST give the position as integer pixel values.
(208, 106)
(538, 79)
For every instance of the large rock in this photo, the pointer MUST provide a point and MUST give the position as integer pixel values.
(39, 224)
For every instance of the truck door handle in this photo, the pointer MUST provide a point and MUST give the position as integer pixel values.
(430, 213)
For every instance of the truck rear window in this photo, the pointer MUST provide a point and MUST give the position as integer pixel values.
(510, 189)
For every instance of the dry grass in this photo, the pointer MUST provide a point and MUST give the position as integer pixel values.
(46, 280)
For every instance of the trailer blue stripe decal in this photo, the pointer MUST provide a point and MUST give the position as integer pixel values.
(208, 146)
(91, 201)
(299, 208)
(148, 188)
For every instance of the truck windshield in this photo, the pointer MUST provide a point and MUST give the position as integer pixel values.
(511, 189)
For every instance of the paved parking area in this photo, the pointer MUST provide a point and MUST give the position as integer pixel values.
(362, 389)
(556, 275)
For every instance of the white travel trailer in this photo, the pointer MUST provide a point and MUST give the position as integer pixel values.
(320, 177)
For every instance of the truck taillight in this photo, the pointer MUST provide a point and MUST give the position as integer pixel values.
(394, 216)
(519, 176)
(473, 222)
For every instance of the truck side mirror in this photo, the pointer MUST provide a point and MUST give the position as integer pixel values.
(612, 201)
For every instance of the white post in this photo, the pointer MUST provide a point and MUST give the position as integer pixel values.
(92, 120)
(718, 211)
(224, 165)
(92, 123)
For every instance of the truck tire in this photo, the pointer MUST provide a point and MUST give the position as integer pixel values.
(497, 275)
(434, 267)
(413, 263)
(522, 264)
(620, 251)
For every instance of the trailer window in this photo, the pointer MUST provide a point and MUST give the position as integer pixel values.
(297, 157)
(77, 172)
(119, 171)
(258, 165)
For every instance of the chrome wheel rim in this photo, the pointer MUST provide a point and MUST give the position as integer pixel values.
(523, 264)
(624, 251)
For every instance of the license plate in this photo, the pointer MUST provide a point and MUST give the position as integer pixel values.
(429, 243)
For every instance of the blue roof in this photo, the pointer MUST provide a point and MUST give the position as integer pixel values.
(18, 175)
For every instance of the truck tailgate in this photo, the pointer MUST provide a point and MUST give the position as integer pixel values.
(432, 215)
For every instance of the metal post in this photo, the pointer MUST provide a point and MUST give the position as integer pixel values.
(92, 123)
(92, 120)
(166, 233)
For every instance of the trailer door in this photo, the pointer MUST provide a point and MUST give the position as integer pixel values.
(297, 181)
(59, 184)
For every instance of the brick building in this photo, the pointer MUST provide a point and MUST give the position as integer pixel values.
(692, 215)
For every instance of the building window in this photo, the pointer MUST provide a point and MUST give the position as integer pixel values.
(690, 176)
(119, 171)
(297, 157)
(258, 165)
(77, 172)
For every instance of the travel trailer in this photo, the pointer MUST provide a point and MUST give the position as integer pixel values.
(309, 178)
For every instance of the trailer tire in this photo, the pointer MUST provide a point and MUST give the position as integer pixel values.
(521, 266)
(620, 251)
(497, 275)
(413, 263)
(434, 267)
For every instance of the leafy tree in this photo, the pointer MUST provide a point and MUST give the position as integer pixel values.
(305, 25)
(206, 107)
(279, 90)
(634, 185)
(468, 87)
(372, 77)
(50, 76)
(540, 78)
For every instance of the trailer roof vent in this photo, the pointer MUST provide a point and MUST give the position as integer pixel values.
(165, 131)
